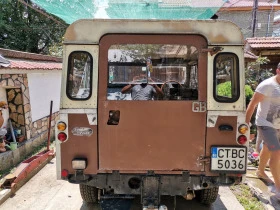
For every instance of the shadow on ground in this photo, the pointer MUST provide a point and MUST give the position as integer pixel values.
(181, 204)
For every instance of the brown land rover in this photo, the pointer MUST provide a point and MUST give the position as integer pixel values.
(152, 110)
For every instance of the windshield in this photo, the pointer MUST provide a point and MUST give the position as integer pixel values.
(150, 63)
(171, 67)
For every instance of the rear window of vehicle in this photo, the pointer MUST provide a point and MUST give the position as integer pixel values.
(79, 75)
(226, 78)
(169, 67)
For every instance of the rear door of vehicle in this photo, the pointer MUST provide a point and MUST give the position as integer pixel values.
(153, 134)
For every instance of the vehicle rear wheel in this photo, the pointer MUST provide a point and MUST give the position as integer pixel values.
(208, 196)
(89, 193)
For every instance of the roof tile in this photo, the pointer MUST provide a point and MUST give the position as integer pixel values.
(264, 42)
(28, 65)
(250, 55)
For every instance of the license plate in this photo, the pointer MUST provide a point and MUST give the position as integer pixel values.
(229, 159)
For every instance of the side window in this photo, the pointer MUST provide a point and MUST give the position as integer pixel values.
(226, 78)
(152, 72)
(79, 76)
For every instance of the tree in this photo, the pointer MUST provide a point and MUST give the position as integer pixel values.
(24, 29)
(255, 74)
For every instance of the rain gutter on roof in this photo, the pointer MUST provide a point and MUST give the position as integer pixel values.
(218, 32)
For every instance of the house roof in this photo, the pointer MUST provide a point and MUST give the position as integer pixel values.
(264, 42)
(248, 5)
(12, 59)
(32, 65)
(28, 56)
(249, 55)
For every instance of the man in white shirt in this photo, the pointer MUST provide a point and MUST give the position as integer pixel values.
(267, 97)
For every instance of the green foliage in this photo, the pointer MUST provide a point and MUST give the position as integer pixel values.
(24, 29)
(224, 89)
(248, 92)
(246, 198)
(56, 49)
(254, 73)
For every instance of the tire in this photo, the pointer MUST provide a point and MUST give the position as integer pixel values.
(89, 194)
(208, 196)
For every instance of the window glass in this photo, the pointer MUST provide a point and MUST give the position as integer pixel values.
(79, 76)
(226, 77)
(152, 72)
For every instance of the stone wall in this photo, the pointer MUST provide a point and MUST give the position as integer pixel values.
(17, 98)
(19, 105)
(35, 133)
(15, 103)
(11, 159)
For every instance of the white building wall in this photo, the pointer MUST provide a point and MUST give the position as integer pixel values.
(44, 88)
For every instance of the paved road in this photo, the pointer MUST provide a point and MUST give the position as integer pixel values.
(44, 192)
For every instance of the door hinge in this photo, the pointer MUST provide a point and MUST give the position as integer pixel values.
(213, 50)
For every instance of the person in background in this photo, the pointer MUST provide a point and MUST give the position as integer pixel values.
(267, 98)
(142, 91)
(264, 156)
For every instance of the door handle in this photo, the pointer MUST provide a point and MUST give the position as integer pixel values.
(114, 117)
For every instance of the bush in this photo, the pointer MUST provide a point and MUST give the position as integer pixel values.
(255, 73)
(224, 89)
(248, 92)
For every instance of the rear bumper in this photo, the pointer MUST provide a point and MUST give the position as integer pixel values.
(168, 184)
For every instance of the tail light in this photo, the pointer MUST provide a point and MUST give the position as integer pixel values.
(61, 126)
(61, 129)
(64, 173)
(62, 136)
(242, 139)
(242, 129)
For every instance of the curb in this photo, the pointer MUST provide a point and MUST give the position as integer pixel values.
(4, 195)
(266, 201)
(269, 207)
(7, 193)
(258, 193)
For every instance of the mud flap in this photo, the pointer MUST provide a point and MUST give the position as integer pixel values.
(150, 191)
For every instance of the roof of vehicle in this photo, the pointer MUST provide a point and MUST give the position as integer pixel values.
(217, 32)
